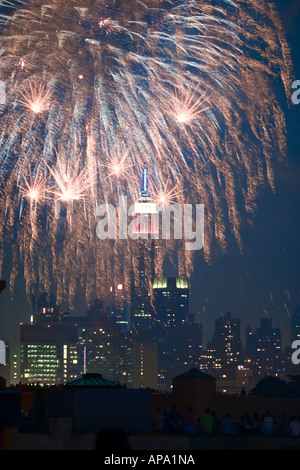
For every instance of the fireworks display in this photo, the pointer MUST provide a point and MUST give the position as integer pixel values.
(98, 90)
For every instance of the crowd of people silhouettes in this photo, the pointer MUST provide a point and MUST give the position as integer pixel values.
(175, 422)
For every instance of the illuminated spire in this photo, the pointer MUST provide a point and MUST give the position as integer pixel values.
(145, 191)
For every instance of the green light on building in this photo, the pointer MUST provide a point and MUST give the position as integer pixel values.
(160, 283)
(181, 283)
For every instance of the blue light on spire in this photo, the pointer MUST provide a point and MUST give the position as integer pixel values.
(145, 191)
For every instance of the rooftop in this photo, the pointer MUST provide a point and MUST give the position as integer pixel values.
(93, 380)
(194, 374)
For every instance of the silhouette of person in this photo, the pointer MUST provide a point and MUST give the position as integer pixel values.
(158, 422)
(189, 422)
(268, 424)
(294, 427)
(207, 422)
(246, 423)
(256, 424)
(174, 420)
(227, 426)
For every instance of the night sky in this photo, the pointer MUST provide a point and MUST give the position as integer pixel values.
(265, 279)
(262, 281)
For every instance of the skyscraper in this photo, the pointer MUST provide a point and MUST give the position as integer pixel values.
(226, 345)
(171, 301)
(179, 349)
(144, 257)
(49, 353)
(268, 349)
(99, 339)
(56, 349)
(179, 339)
(142, 360)
(295, 325)
(250, 343)
(141, 307)
(118, 305)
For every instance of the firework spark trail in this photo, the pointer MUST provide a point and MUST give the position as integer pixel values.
(37, 100)
(103, 85)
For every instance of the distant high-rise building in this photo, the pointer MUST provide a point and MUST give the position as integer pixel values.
(118, 306)
(144, 248)
(142, 361)
(49, 353)
(225, 346)
(96, 310)
(250, 343)
(15, 364)
(179, 349)
(99, 338)
(268, 349)
(141, 286)
(60, 350)
(47, 309)
(179, 339)
(295, 325)
(171, 301)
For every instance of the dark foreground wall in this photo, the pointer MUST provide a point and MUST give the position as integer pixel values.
(129, 410)
(92, 409)
(10, 407)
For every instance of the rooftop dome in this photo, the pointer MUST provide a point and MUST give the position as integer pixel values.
(93, 380)
(194, 374)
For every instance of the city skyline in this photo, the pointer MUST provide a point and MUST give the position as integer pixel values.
(56, 348)
(261, 282)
